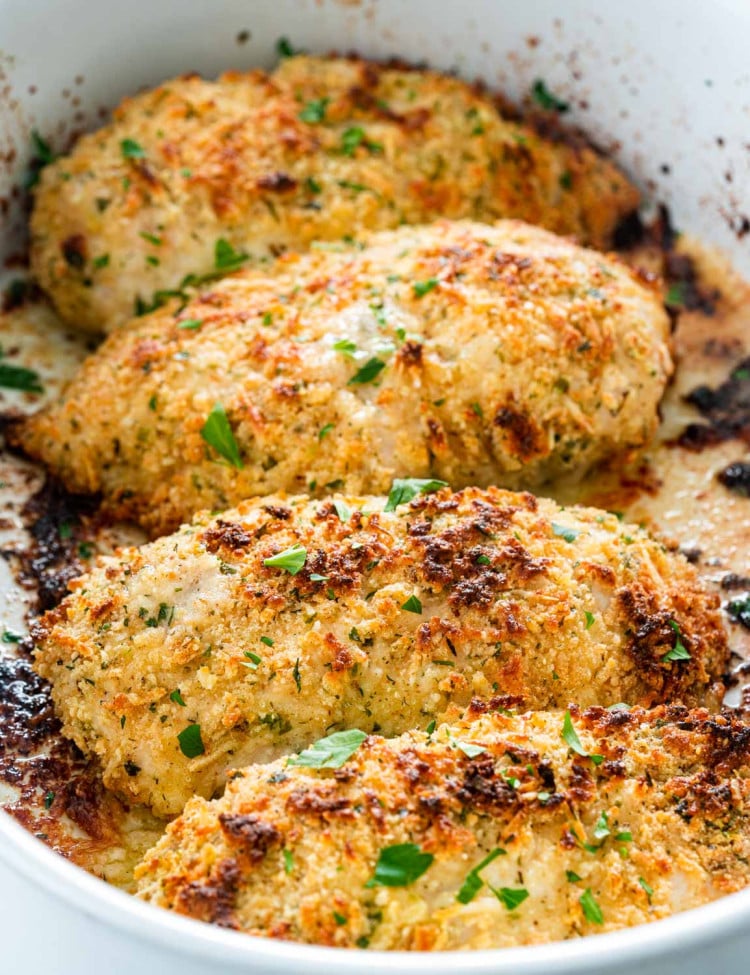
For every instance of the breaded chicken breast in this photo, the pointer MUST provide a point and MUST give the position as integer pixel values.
(323, 148)
(475, 354)
(499, 830)
(253, 634)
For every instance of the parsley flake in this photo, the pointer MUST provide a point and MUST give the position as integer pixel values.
(226, 258)
(177, 698)
(421, 288)
(330, 752)
(343, 511)
(546, 100)
(267, 640)
(647, 887)
(590, 619)
(19, 377)
(191, 743)
(572, 877)
(253, 660)
(679, 651)
(369, 371)
(400, 865)
(324, 431)
(469, 749)
(413, 605)
(404, 489)
(473, 883)
(190, 324)
(314, 111)
(509, 897)
(562, 531)
(570, 737)
(291, 559)
(132, 149)
(591, 910)
(217, 433)
(288, 861)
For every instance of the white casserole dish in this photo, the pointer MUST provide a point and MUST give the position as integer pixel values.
(665, 84)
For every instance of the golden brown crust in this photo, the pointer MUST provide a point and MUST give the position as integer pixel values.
(320, 149)
(506, 355)
(657, 822)
(394, 618)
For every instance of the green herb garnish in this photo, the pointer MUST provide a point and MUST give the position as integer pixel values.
(404, 490)
(191, 743)
(679, 651)
(546, 100)
(421, 288)
(562, 531)
(314, 111)
(132, 149)
(217, 433)
(591, 909)
(510, 897)
(330, 752)
(570, 737)
(369, 371)
(413, 605)
(291, 559)
(400, 865)
(226, 258)
(177, 698)
(473, 883)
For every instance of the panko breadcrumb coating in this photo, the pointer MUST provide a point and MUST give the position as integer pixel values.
(323, 148)
(253, 634)
(475, 354)
(487, 833)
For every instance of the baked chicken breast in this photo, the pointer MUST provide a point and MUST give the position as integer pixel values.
(499, 830)
(475, 354)
(253, 634)
(322, 148)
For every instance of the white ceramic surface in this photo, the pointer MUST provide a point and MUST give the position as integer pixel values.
(665, 83)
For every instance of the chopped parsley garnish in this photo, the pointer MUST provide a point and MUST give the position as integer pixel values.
(339, 918)
(43, 156)
(226, 258)
(314, 111)
(291, 559)
(566, 180)
(739, 610)
(570, 737)
(330, 752)
(101, 261)
(572, 877)
(483, 560)
(217, 433)
(591, 910)
(313, 185)
(267, 640)
(343, 511)
(49, 798)
(190, 324)
(421, 288)
(177, 698)
(19, 377)
(10, 637)
(431, 726)
(354, 137)
(675, 296)
(562, 531)
(253, 660)
(284, 48)
(590, 619)
(191, 743)
(470, 749)
(369, 371)
(132, 149)
(477, 410)
(413, 605)
(601, 829)
(346, 346)
(647, 887)
(151, 238)
(400, 865)
(679, 651)
(324, 431)
(473, 883)
(297, 677)
(404, 490)
(546, 100)
(510, 897)
(288, 861)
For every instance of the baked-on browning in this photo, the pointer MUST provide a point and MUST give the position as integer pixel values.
(475, 354)
(656, 822)
(323, 148)
(195, 653)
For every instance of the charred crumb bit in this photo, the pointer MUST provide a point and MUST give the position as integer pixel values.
(251, 833)
(732, 581)
(214, 900)
(53, 518)
(726, 408)
(74, 251)
(277, 183)
(693, 555)
(736, 477)
(629, 233)
(224, 534)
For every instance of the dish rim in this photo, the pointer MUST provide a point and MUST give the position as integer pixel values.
(722, 919)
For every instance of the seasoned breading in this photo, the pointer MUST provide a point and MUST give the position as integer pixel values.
(655, 822)
(224, 644)
(475, 354)
(323, 148)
